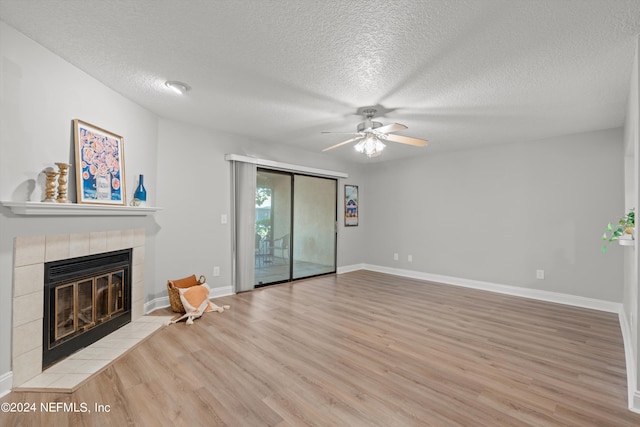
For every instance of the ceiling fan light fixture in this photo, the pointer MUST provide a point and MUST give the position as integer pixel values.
(178, 87)
(370, 146)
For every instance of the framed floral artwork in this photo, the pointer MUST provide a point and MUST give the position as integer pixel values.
(350, 205)
(99, 165)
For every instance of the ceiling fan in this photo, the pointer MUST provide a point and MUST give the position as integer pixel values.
(371, 134)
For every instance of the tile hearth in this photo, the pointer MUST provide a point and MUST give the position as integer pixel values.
(67, 375)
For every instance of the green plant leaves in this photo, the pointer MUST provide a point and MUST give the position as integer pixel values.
(629, 220)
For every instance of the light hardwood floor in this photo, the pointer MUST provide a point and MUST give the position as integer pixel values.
(364, 349)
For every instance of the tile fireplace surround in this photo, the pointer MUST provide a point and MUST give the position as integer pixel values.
(30, 254)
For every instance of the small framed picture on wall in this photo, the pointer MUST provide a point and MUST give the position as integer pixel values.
(350, 205)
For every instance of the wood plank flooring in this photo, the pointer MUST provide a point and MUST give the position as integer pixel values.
(363, 349)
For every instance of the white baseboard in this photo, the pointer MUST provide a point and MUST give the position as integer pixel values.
(221, 291)
(577, 301)
(635, 403)
(6, 383)
(632, 386)
(155, 304)
(163, 302)
(350, 268)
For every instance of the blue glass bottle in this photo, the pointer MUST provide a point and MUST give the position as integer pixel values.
(140, 194)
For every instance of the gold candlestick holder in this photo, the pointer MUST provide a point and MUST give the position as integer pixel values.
(50, 187)
(62, 182)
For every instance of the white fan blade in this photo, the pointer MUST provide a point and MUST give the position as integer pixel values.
(343, 143)
(342, 133)
(407, 140)
(393, 127)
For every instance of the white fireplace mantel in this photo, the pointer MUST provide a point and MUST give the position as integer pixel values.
(74, 209)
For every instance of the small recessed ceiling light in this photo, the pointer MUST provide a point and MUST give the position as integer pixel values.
(178, 87)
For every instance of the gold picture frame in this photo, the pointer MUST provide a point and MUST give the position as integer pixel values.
(99, 156)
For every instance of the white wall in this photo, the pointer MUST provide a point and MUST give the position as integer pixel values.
(632, 188)
(500, 213)
(40, 94)
(194, 190)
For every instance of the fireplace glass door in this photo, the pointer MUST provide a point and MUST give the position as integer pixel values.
(86, 298)
(81, 305)
(116, 293)
(65, 309)
(86, 317)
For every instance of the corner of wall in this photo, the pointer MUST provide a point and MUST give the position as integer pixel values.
(631, 302)
(6, 382)
(633, 392)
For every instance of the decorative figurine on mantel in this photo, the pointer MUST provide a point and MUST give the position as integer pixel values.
(50, 188)
(62, 182)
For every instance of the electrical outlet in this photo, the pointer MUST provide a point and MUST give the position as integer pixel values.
(540, 274)
(410, 258)
(395, 257)
(216, 271)
(223, 219)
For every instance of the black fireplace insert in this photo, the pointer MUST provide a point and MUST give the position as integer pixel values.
(85, 299)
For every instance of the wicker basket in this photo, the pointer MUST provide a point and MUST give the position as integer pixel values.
(174, 293)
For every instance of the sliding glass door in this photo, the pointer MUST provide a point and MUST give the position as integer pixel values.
(295, 226)
(314, 226)
(273, 227)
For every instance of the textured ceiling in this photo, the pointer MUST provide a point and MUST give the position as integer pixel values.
(461, 74)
